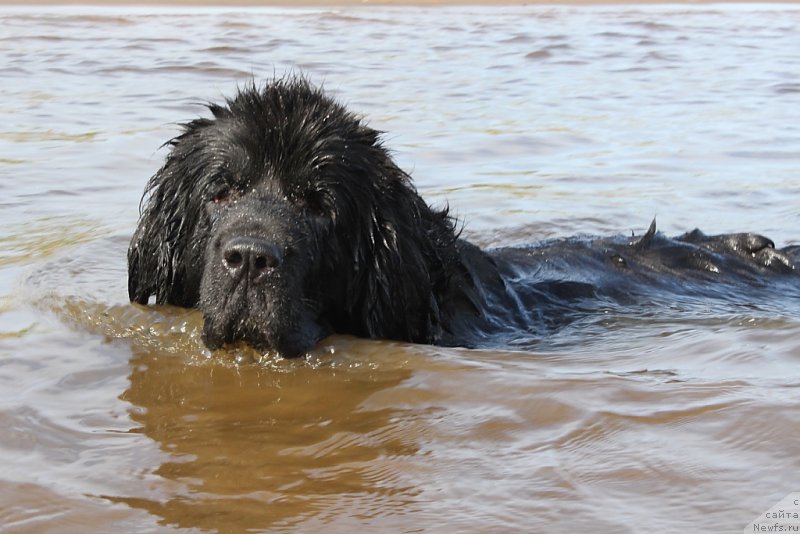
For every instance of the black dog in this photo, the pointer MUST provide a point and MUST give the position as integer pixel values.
(284, 219)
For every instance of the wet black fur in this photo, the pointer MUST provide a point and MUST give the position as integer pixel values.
(358, 251)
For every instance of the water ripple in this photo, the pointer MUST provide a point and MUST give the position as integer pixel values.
(532, 122)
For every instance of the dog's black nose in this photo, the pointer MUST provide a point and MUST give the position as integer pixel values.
(251, 256)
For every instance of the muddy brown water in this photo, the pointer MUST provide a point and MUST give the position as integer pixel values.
(532, 122)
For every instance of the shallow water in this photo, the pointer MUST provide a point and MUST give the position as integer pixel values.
(532, 122)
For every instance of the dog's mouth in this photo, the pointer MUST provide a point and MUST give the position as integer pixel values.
(267, 324)
(291, 343)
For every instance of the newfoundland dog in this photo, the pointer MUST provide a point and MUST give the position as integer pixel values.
(284, 219)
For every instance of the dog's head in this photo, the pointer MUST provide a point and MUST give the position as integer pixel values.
(284, 219)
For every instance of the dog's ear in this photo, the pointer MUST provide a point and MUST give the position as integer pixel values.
(155, 255)
(402, 261)
(161, 252)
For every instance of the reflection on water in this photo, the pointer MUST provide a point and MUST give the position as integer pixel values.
(532, 122)
(254, 448)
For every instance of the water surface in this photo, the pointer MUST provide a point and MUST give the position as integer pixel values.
(533, 123)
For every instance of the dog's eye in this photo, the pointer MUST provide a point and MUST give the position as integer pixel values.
(222, 196)
(313, 207)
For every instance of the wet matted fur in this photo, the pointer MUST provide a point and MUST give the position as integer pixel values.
(284, 219)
